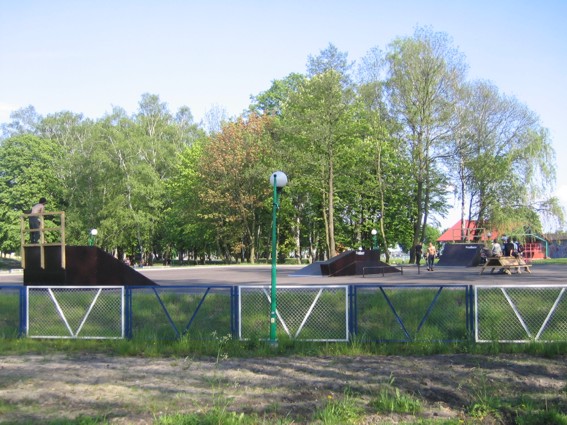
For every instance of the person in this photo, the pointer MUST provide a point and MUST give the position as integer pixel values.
(418, 253)
(496, 249)
(509, 248)
(38, 208)
(431, 253)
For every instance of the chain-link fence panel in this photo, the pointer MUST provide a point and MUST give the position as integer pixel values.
(309, 313)
(526, 313)
(75, 312)
(10, 311)
(169, 312)
(411, 313)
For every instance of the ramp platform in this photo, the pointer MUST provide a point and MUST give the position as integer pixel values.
(84, 265)
(348, 263)
(461, 254)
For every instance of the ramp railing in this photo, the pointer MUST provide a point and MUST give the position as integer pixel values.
(54, 235)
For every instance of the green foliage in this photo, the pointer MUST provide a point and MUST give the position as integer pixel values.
(338, 409)
(28, 167)
(392, 400)
(378, 153)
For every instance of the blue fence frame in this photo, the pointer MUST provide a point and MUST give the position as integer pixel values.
(20, 293)
(200, 294)
(460, 320)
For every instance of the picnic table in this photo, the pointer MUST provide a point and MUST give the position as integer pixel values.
(506, 264)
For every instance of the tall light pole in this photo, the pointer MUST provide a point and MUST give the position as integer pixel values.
(278, 180)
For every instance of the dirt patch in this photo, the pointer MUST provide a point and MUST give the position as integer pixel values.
(35, 388)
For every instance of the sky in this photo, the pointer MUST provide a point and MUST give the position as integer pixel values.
(89, 56)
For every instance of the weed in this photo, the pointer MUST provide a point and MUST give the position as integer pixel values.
(485, 402)
(546, 417)
(221, 342)
(392, 400)
(340, 410)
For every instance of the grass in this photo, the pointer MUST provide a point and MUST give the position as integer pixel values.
(486, 403)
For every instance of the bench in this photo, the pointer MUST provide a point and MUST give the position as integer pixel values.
(506, 264)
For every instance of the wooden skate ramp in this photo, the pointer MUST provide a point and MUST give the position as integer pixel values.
(85, 265)
(348, 263)
(461, 254)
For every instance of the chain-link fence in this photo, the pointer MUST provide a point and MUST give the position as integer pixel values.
(313, 313)
(508, 313)
(11, 311)
(383, 313)
(169, 312)
(403, 313)
(75, 312)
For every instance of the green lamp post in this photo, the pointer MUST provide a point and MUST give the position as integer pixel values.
(278, 180)
(374, 233)
(92, 237)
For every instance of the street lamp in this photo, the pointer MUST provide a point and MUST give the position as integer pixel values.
(278, 180)
(92, 236)
(374, 233)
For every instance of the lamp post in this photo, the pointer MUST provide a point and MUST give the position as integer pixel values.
(278, 180)
(92, 236)
(374, 233)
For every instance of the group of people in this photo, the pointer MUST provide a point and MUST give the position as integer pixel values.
(510, 248)
(430, 255)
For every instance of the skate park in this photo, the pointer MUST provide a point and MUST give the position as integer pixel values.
(291, 275)
(59, 264)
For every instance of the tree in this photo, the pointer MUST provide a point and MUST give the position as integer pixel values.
(318, 122)
(504, 159)
(24, 121)
(28, 171)
(387, 183)
(424, 74)
(233, 172)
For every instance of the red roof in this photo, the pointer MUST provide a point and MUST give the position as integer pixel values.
(454, 234)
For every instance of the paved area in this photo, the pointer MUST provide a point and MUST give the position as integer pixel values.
(542, 274)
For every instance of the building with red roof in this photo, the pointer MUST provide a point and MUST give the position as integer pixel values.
(470, 231)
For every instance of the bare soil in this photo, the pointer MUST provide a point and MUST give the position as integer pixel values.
(127, 390)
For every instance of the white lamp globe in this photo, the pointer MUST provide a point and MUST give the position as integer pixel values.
(280, 177)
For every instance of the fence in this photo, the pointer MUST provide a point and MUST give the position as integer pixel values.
(75, 312)
(404, 313)
(509, 313)
(12, 311)
(310, 313)
(381, 313)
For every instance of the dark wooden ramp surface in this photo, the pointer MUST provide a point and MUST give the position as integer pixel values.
(85, 265)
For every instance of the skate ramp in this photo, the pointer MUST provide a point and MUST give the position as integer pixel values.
(460, 254)
(348, 263)
(85, 265)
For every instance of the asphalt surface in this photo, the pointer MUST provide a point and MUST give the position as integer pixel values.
(542, 274)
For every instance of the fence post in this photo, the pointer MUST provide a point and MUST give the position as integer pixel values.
(23, 312)
(128, 312)
(234, 319)
(470, 311)
(352, 311)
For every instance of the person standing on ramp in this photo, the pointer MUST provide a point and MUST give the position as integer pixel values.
(38, 208)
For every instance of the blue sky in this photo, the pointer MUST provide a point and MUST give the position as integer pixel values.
(88, 56)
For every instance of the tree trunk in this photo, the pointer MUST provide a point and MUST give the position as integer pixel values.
(331, 223)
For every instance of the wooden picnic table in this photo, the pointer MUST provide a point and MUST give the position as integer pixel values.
(506, 264)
